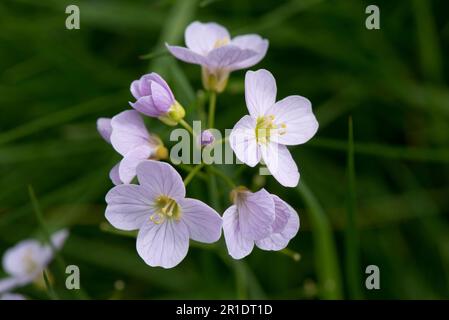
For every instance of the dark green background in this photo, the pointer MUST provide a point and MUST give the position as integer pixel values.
(54, 84)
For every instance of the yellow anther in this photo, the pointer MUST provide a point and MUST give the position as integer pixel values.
(221, 42)
(166, 208)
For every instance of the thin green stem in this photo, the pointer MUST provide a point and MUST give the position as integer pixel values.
(187, 126)
(192, 173)
(352, 264)
(328, 270)
(291, 253)
(50, 291)
(212, 105)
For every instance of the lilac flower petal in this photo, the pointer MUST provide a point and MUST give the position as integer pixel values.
(9, 284)
(186, 55)
(14, 257)
(129, 163)
(160, 178)
(129, 207)
(280, 164)
(128, 131)
(114, 175)
(253, 42)
(136, 90)
(11, 296)
(145, 105)
(58, 238)
(243, 141)
(260, 92)
(159, 80)
(296, 113)
(280, 240)
(161, 97)
(238, 246)
(203, 37)
(203, 222)
(104, 128)
(256, 214)
(163, 245)
(227, 56)
(282, 214)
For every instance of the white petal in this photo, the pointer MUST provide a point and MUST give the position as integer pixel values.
(58, 238)
(129, 163)
(280, 240)
(300, 122)
(203, 222)
(186, 55)
(243, 141)
(8, 284)
(256, 214)
(25, 258)
(203, 37)
(160, 178)
(260, 92)
(114, 175)
(280, 164)
(163, 245)
(227, 57)
(253, 42)
(129, 206)
(128, 131)
(238, 246)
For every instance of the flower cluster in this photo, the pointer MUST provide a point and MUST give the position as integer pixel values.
(156, 204)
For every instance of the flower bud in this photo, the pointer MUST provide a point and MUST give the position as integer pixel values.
(205, 138)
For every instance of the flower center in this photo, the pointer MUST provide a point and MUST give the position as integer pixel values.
(266, 127)
(166, 208)
(221, 42)
(29, 262)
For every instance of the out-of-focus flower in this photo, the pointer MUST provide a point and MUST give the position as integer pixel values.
(205, 138)
(258, 218)
(210, 46)
(155, 99)
(26, 261)
(12, 296)
(130, 138)
(271, 126)
(165, 218)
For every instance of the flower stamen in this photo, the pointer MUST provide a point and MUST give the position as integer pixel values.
(166, 208)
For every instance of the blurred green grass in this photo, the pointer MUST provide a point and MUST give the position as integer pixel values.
(54, 83)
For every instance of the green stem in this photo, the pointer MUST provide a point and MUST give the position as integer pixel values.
(192, 173)
(291, 253)
(212, 105)
(187, 126)
(326, 252)
(352, 264)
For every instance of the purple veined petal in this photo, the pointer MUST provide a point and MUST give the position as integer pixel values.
(162, 98)
(114, 175)
(128, 131)
(142, 87)
(129, 163)
(280, 164)
(253, 42)
(135, 89)
(203, 37)
(280, 240)
(243, 141)
(238, 246)
(129, 207)
(256, 214)
(226, 57)
(163, 245)
(260, 92)
(282, 214)
(295, 113)
(146, 106)
(203, 222)
(160, 178)
(159, 80)
(186, 55)
(104, 128)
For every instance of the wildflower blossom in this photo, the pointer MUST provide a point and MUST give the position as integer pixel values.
(271, 126)
(154, 98)
(130, 138)
(26, 261)
(165, 218)
(260, 219)
(205, 138)
(210, 46)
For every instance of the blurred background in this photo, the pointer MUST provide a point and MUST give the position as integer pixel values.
(380, 199)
